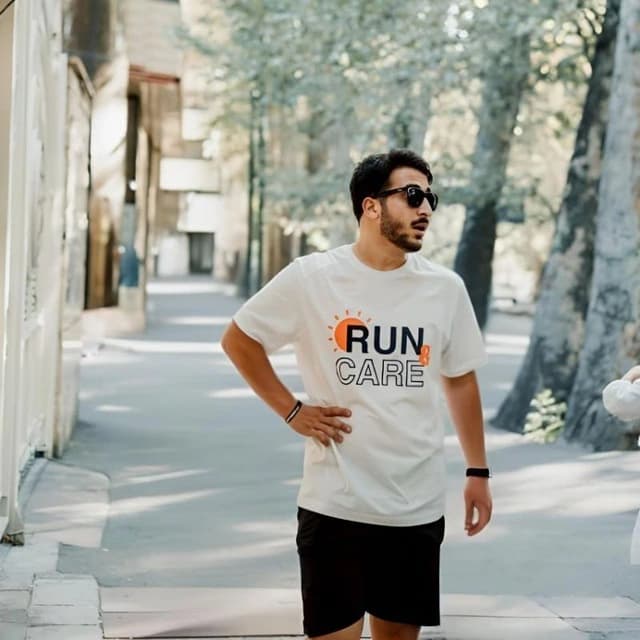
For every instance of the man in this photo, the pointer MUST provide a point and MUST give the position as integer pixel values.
(378, 330)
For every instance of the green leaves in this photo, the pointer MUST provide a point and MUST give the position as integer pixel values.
(545, 421)
(354, 76)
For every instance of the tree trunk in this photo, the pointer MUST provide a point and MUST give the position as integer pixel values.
(247, 286)
(558, 327)
(261, 157)
(316, 150)
(501, 98)
(612, 327)
(399, 133)
(409, 126)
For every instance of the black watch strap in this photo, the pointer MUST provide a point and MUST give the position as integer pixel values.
(478, 472)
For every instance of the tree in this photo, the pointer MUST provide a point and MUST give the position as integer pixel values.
(559, 322)
(503, 90)
(516, 38)
(328, 80)
(612, 326)
(343, 80)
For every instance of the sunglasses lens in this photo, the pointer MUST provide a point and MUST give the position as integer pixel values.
(414, 197)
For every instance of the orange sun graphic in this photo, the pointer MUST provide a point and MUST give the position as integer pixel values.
(339, 337)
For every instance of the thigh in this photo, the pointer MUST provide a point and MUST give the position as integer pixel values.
(331, 571)
(403, 574)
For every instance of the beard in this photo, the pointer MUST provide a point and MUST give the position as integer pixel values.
(392, 231)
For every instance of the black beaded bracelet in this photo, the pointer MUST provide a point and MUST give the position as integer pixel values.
(294, 412)
(478, 473)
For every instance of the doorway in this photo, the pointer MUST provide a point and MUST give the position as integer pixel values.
(201, 247)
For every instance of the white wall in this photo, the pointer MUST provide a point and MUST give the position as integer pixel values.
(173, 255)
(74, 252)
(7, 456)
(31, 266)
(201, 212)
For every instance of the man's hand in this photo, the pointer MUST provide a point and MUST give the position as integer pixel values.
(477, 498)
(633, 374)
(322, 423)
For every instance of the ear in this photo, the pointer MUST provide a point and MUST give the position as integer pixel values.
(371, 208)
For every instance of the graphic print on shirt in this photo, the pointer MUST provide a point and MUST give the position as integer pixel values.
(352, 334)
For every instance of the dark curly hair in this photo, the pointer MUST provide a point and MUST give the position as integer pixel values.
(371, 175)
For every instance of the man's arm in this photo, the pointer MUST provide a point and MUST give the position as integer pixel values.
(463, 399)
(252, 362)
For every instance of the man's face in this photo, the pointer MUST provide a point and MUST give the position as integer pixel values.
(402, 225)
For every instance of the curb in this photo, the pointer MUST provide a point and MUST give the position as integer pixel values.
(30, 481)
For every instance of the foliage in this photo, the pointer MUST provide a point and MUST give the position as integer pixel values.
(545, 421)
(337, 80)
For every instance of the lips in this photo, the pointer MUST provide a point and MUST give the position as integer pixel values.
(420, 226)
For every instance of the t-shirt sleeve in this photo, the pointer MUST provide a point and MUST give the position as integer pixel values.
(272, 315)
(464, 350)
(621, 398)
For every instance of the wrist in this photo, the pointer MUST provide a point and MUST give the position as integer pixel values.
(282, 406)
(294, 411)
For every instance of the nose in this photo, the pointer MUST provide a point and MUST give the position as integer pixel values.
(425, 209)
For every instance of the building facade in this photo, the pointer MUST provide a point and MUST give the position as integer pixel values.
(105, 178)
(44, 146)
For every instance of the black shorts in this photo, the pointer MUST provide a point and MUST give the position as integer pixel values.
(348, 568)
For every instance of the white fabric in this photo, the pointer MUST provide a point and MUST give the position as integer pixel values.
(635, 542)
(622, 399)
(408, 326)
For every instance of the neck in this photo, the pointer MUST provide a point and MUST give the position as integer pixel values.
(381, 256)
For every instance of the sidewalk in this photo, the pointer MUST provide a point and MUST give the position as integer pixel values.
(39, 603)
(176, 495)
(36, 601)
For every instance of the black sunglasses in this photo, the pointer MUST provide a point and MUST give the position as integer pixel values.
(415, 196)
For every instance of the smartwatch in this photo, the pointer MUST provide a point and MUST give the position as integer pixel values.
(478, 473)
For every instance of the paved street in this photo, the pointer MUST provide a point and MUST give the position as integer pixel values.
(177, 494)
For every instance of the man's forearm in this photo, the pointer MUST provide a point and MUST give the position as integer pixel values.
(252, 362)
(463, 398)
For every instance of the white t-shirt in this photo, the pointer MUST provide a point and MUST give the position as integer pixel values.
(622, 399)
(374, 342)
